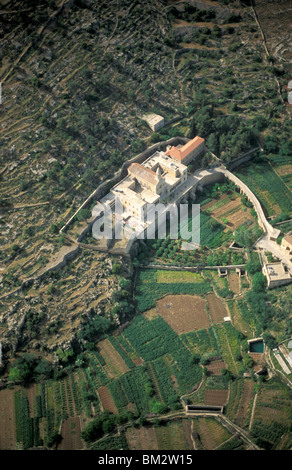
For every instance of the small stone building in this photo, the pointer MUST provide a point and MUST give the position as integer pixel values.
(287, 243)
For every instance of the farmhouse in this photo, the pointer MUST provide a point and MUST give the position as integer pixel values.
(154, 121)
(276, 274)
(287, 243)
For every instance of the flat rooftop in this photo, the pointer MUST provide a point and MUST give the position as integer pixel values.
(152, 118)
(140, 197)
(276, 271)
(163, 160)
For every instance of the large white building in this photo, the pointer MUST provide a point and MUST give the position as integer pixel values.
(158, 179)
(161, 178)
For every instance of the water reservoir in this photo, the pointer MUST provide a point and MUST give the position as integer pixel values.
(256, 346)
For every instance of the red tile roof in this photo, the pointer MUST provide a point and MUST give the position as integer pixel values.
(183, 152)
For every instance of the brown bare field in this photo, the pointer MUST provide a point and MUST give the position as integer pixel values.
(221, 211)
(107, 400)
(187, 430)
(245, 403)
(70, 433)
(283, 170)
(184, 313)
(173, 437)
(233, 282)
(216, 397)
(211, 433)
(116, 365)
(141, 438)
(7, 420)
(216, 308)
(215, 367)
(238, 218)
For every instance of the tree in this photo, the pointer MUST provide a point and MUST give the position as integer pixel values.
(270, 340)
(227, 374)
(155, 137)
(259, 282)
(117, 268)
(248, 361)
(94, 328)
(159, 407)
(196, 358)
(16, 375)
(253, 266)
(83, 214)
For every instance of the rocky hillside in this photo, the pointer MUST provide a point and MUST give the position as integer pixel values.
(275, 20)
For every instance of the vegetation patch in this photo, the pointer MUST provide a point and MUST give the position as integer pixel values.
(148, 290)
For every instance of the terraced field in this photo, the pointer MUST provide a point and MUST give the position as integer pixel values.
(217, 308)
(184, 313)
(210, 433)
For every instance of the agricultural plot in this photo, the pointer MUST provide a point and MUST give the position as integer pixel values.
(228, 344)
(7, 420)
(130, 389)
(260, 178)
(31, 393)
(70, 433)
(154, 339)
(164, 379)
(212, 276)
(149, 290)
(202, 341)
(233, 282)
(259, 361)
(184, 313)
(229, 211)
(216, 397)
(27, 428)
(216, 308)
(215, 367)
(237, 320)
(164, 276)
(282, 166)
(273, 404)
(114, 363)
(115, 442)
(141, 438)
(212, 232)
(209, 433)
(240, 402)
(106, 400)
(234, 443)
(174, 436)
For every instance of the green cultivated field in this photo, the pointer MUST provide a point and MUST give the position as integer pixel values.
(269, 188)
(150, 288)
